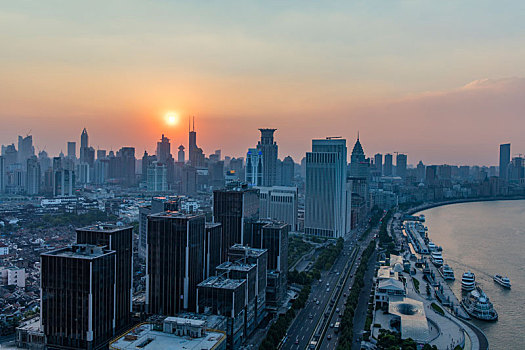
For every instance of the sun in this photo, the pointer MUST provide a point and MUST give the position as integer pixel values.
(172, 118)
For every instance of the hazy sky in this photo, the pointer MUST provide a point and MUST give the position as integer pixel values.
(443, 81)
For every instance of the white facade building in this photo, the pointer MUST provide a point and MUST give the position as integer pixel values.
(279, 203)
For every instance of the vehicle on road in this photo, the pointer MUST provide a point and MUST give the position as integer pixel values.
(311, 316)
(331, 325)
(317, 302)
(327, 289)
(337, 326)
(297, 340)
(337, 310)
(329, 337)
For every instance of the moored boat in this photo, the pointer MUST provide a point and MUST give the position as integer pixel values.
(446, 272)
(478, 305)
(468, 281)
(437, 258)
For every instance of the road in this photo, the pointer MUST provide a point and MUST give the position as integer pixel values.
(311, 320)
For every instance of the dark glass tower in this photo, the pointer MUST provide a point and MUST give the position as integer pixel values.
(269, 150)
(175, 262)
(119, 239)
(235, 208)
(77, 297)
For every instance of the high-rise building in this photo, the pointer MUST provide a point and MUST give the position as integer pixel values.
(87, 154)
(420, 171)
(287, 171)
(325, 197)
(120, 240)
(101, 153)
(33, 176)
(378, 163)
(195, 154)
(175, 262)
(72, 149)
(84, 139)
(235, 208)
(212, 249)
(77, 297)
(280, 203)
(126, 157)
(387, 167)
(25, 149)
(254, 167)
(157, 174)
(431, 175)
(269, 150)
(504, 160)
(2, 174)
(401, 165)
(359, 166)
(181, 158)
(163, 149)
(63, 179)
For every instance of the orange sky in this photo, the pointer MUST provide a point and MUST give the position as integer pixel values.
(399, 73)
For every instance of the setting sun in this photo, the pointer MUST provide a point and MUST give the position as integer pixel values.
(172, 118)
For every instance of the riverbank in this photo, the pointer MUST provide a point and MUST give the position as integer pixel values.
(431, 205)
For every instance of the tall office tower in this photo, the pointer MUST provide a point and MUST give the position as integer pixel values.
(325, 195)
(163, 149)
(147, 161)
(189, 180)
(195, 154)
(378, 162)
(175, 262)
(358, 164)
(387, 167)
(2, 174)
(44, 160)
(33, 176)
(157, 177)
(101, 153)
(515, 170)
(269, 150)
(72, 149)
(212, 248)
(10, 153)
(420, 171)
(445, 172)
(126, 157)
(287, 171)
(84, 139)
(226, 297)
(254, 167)
(280, 203)
(25, 149)
(216, 174)
(235, 208)
(77, 293)
(181, 156)
(401, 165)
(63, 179)
(101, 171)
(431, 175)
(120, 240)
(84, 173)
(504, 160)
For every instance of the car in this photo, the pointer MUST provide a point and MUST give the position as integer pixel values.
(337, 310)
(311, 316)
(329, 337)
(327, 289)
(344, 295)
(297, 340)
(315, 299)
(317, 302)
(331, 325)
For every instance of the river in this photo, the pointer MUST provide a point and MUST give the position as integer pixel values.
(487, 238)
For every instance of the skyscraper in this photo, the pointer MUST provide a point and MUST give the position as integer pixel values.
(325, 197)
(2, 174)
(287, 171)
(181, 156)
(254, 167)
(359, 166)
(175, 262)
(195, 154)
(84, 139)
(269, 150)
(235, 208)
(378, 162)
(77, 292)
(387, 167)
(126, 157)
(157, 177)
(163, 149)
(25, 149)
(504, 160)
(33, 176)
(120, 240)
(72, 149)
(401, 165)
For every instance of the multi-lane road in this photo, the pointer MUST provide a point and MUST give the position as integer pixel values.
(312, 323)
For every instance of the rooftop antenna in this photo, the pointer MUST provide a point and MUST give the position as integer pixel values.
(357, 135)
(193, 123)
(189, 123)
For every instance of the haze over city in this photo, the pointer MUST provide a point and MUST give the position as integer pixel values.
(441, 82)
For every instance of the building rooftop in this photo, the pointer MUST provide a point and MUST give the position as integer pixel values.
(104, 228)
(213, 224)
(413, 319)
(176, 215)
(221, 282)
(237, 266)
(249, 251)
(81, 251)
(144, 337)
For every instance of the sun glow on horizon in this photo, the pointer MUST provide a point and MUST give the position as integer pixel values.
(171, 118)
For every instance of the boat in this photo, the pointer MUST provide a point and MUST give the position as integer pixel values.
(431, 246)
(437, 258)
(447, 273)
(468, 281)
(478, 305)
(502, 281)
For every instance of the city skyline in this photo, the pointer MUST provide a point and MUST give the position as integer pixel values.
(309, 70)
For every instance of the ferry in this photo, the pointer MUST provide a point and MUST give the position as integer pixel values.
(502, 281)
(431, 246)
(468, 281)
(447, 272)
(478, 305)
(437, 258)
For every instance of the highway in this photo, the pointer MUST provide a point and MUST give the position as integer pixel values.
(311, 322)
